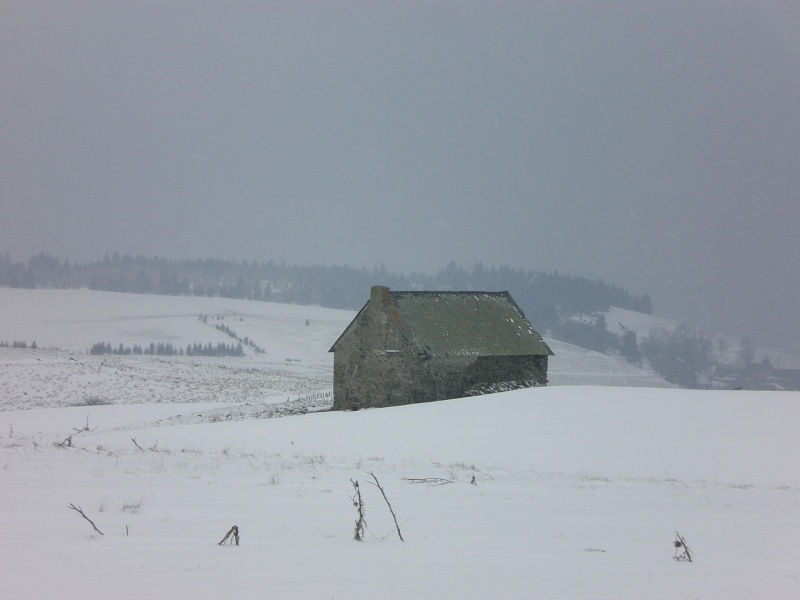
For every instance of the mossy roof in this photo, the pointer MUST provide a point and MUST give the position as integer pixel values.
(464, 324)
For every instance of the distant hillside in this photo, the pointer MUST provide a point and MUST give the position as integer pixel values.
(693, 357)
(638, 349)
(545, 297)
(593, 315)
(293, 340)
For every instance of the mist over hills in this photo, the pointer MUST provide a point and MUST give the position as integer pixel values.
(650, 144)
(545, 297)
(573, 310)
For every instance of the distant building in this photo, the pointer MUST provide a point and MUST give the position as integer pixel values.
(410, 347)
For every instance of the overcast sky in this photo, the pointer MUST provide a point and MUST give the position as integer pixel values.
(651, 144)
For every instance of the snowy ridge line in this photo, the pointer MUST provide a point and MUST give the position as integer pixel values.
(317, 402)
(310, 371)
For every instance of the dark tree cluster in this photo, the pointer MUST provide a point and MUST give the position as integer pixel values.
(167, 349)
(219, 349)
(18, 344)
(681, 356)
(245, 340)
(153, 349)
(588, 331)
(629, 347)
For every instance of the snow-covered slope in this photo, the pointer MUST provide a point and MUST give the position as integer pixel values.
(578, 490)
(295, 340)
(573, 365)
(578, 493)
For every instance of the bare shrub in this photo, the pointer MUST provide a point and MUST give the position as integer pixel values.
(377, 484)
(429, 481)
(132, 507)
(679, 543)
(94, 401)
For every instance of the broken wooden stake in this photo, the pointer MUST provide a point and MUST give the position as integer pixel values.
(234, 532)
(84, 428)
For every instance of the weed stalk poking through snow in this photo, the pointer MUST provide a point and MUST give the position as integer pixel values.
(361, 522)
(681, 543)
(79, 510)
(391, 510)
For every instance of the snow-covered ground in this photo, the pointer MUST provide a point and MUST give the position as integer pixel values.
(295, 340)
(578, 488)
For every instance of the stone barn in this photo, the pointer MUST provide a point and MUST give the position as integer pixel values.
(409, 347)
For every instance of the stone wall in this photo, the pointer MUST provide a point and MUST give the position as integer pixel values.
(483, 375)
(371, 363)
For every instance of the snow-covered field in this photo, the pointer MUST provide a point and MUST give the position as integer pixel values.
(578, 488)
(65, 324)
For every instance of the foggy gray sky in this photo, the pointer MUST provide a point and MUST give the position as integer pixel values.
(652, 144)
